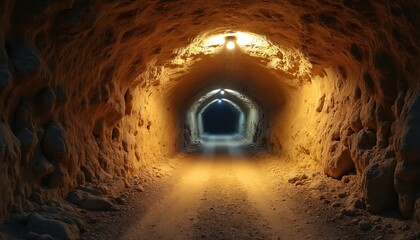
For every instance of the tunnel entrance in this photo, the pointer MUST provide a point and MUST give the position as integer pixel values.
(220, 118)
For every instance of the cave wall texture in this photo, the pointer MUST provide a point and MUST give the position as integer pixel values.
(89, 91)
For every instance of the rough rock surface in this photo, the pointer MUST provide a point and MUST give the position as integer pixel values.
(90, 90)
(52, 227)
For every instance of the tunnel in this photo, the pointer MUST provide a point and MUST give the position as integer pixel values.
(98, 94)
(220, 118)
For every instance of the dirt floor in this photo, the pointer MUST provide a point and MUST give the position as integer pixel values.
(232, 196)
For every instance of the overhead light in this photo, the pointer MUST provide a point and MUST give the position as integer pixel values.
(222, 92)
(230, 44)
(219, 101)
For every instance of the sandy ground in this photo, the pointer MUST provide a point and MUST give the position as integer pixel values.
(233, 196)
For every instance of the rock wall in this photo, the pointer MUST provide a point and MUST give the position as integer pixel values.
(83, 91)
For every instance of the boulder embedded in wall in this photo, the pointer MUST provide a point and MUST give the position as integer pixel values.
(54, 144)
(378, 185)
(368, 114)
(88, 201)
(406, 179)
(409, 144)
(339, 164)
(365, 139)
(25, 60)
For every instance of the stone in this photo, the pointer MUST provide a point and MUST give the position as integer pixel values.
(89, 201)
(365, 225)
(378, 185)
(57, 229)
(339, 164)
(54, 144)
(368, 114)
(25, 60)
(366, 139)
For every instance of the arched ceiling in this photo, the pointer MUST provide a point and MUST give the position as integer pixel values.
(120, 39)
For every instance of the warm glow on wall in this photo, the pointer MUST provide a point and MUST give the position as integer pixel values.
(291, 61)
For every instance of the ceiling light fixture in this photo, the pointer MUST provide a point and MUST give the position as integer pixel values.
(219, 101)
(230, 42)
(222, 92)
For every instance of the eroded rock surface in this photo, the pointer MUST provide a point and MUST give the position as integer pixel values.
(94, 90)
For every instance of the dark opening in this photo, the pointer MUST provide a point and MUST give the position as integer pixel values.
(220, 118)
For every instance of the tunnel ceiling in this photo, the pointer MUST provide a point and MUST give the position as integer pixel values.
(125, 37)
(95, 89)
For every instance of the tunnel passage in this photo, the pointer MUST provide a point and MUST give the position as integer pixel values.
(335, 82)
(230, 112)
(221, 118)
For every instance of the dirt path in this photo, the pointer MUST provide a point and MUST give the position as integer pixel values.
(222, 198)
(230, 196)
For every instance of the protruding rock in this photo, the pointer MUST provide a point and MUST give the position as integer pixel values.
(378, 185)
(89, 201)
(57, 229)
(409, 140)
(339, 164)
(54, 144)
(365, 225)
